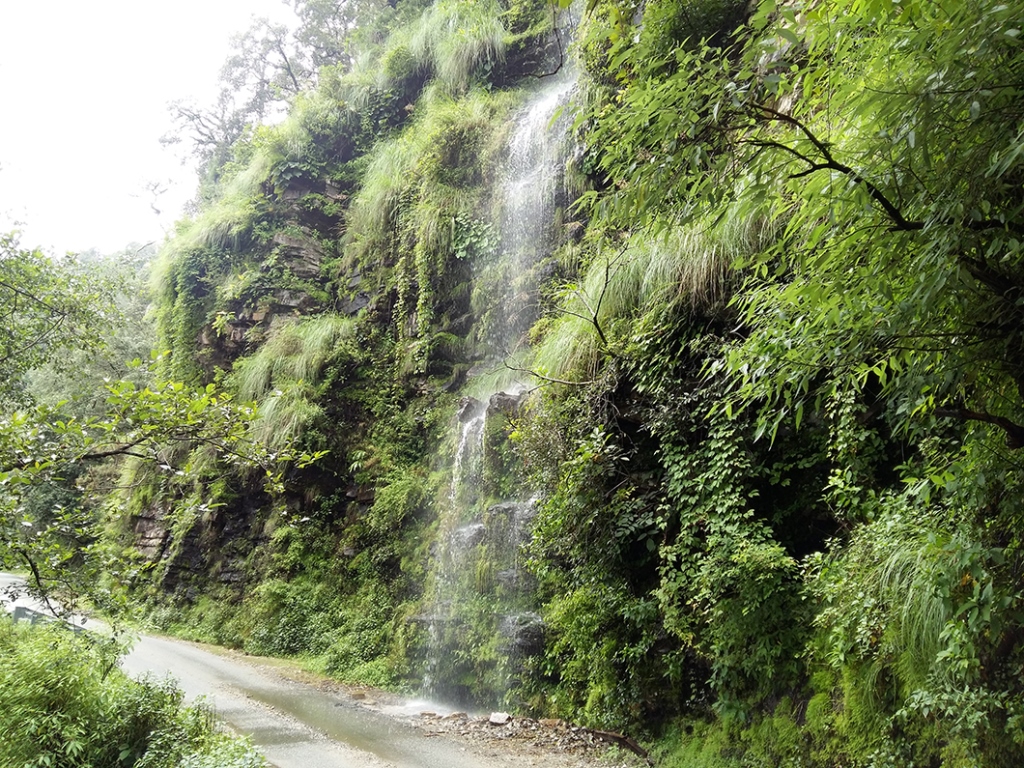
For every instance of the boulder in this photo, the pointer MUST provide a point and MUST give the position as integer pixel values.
(469, 409)
(504, 403)
(499, 718)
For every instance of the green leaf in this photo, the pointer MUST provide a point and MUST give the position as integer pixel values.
(789, 36)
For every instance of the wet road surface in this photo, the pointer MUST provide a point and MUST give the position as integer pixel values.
(295, 725)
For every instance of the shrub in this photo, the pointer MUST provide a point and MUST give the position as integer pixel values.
(65, 704)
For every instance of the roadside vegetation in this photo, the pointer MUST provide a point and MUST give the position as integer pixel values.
(64, 703)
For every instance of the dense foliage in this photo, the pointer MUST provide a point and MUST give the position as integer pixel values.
(836, 444)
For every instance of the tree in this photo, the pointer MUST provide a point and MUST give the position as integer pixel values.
(878, 144)
(895, 193)
(261, 74)
(327, 26)
(47, 306)
(79, 375)
(45, 526)
(267, 67)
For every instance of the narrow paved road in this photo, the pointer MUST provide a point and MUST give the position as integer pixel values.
(294, 724)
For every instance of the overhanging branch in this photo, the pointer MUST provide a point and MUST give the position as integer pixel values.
(829, 162)
(1014, 432)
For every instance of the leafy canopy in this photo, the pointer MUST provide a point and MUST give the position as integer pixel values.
(896, 192)
(47, 307)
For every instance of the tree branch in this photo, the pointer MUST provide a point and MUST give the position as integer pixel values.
(558, 42)
(121, 450)
(894, 213)
(287, 65)
(1014, 432)
(38, 579)
(548, 379)
(53, 309)
(900, 222)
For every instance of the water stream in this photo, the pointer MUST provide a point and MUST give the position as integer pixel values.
(532, 193)
(481, 624)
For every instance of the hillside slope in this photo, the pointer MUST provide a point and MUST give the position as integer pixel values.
(717, 439)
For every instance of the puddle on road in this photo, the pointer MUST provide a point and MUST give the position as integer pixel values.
(415, 707)
(379, 734)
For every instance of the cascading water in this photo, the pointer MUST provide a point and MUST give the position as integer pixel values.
(532, 191)
(465, 468)
(480, 625)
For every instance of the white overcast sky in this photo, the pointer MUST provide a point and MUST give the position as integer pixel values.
(83, 104)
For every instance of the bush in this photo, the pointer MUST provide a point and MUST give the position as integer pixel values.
(65, 704)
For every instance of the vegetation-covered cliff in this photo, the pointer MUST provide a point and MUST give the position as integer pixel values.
(717, 440)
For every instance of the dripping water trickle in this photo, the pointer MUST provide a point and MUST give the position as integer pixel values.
(472, 417)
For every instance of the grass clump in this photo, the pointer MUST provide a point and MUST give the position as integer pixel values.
(456, 39)
(679, 270)
(282, 377)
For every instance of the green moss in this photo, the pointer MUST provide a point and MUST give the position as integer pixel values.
(417, 216)
(527, 17)
(283, 376)
(399, 64)
(501, 477)
(401, 495)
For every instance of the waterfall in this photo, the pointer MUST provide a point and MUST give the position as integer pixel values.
(466, 465)
(532, 193)
(480, 624)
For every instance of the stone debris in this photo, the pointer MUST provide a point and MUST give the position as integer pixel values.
(544, 743)
(571, 745)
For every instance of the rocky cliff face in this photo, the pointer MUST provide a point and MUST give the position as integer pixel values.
(403, 254)
(705, 452)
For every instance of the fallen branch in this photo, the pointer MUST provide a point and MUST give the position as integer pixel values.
(626, 742)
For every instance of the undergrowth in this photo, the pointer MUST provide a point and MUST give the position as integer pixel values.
(64, 703)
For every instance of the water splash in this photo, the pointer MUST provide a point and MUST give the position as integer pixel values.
(466, 464)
